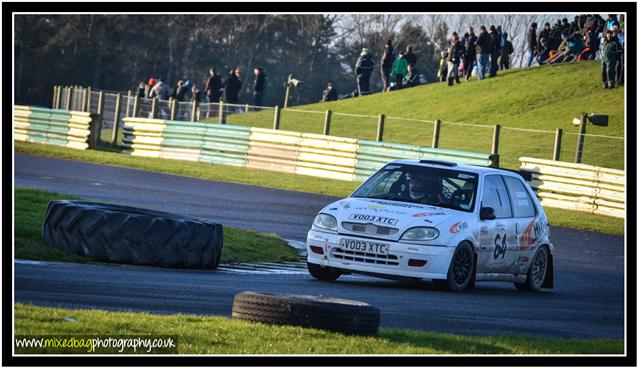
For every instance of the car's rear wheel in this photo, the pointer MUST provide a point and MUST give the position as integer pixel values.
(537, 271)
(323, 273)
(460, 275)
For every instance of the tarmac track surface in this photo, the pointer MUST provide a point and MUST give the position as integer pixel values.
(587, 302)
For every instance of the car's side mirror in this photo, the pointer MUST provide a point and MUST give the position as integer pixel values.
(487, 213)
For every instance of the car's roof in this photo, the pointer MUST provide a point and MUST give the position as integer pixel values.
(481, 170)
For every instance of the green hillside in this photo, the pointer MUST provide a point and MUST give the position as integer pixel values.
(542, 98)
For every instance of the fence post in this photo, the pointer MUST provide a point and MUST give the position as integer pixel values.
(435, 135)
(326, 123)
(100, 111)
(116, 118)
(380, 128)
(222, 115)
(88, 99)
(247, 106)
(287, 91)
(70, 99)
(85, 100)
(173, 107)
(136, 106)
(557, 143)
(581, 138)
(58, 100)
(55, 91)
(194, 110)
(153, 107)
(128, 104)
(275, 124)
(495, 138)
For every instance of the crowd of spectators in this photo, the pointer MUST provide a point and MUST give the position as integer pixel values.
(216, 88)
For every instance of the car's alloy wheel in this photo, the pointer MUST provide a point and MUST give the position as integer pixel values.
(537, 271)
(460, 275)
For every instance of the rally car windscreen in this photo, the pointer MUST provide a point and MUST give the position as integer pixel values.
(422, 185)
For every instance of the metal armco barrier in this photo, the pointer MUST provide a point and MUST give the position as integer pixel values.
(72, 129)
(276, 150)
(577, 187)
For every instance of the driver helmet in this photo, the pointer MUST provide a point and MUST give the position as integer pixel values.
(420, 184)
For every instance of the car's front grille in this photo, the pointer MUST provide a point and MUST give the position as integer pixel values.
(369, 229)
(363, 257)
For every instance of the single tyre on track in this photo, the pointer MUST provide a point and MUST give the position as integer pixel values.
(131, 235)
(332, 314)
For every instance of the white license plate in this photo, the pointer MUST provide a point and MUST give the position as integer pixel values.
(364, 246)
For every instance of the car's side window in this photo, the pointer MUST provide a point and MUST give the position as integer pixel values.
(495, 196)
(519, 196)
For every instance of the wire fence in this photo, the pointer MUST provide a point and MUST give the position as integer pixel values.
(510, 143)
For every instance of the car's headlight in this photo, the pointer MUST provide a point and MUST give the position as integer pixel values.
(327, 222)
(417, 234)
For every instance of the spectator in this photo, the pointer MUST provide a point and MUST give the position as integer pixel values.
(555, 36)
(179, 91)
(409, 56)
(501, 40)
(363, 69)
(543, 54)
(553, 54)
(386, 65)
(399, 69)
(213, 86)
(574, 46)
(330, 93)
(592, 45)
(508, 49)
(565, 26)
(260, 83)
(469, 42)
(494, 42)
(454, 57)
(160, 90)
(532, 48)
(483, 51)
(594, 23)
(442, 73)
(142, 89)
(610, 58)
(412, 78)
(232, 85)
(544, 33)
(611, 22)
(574, 26)
(196, 94)
(620, 64)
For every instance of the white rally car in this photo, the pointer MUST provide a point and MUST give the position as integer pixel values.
(454, 224)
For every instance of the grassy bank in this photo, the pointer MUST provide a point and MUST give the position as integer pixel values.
(31, 205)
(543, 98)
(557, 217)
(219, 335)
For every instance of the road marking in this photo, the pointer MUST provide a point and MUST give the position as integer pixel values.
(27, 262)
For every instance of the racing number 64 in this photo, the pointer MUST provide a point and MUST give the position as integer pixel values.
(499, 249)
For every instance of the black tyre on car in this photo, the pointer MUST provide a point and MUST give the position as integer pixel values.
(131, 235)
(537, 272)
(338, 315)
(323, 273)
(461, 274)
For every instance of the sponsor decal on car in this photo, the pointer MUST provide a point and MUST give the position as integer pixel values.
(396, 204)
(373, 218)
(484, 230)
(458, 227)
(522, 259)
(426, 214)
(527, 238)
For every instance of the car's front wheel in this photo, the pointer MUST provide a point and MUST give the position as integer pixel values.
(323, 273)
(460, 275)
(537, 271)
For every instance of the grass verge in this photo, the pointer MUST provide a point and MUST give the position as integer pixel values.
(557, 217)
(220, 335)
(30, 207)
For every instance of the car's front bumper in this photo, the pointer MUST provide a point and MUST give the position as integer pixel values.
(395, 264)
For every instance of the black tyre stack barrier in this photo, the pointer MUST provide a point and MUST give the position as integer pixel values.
(339, 315)
(131, 235)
